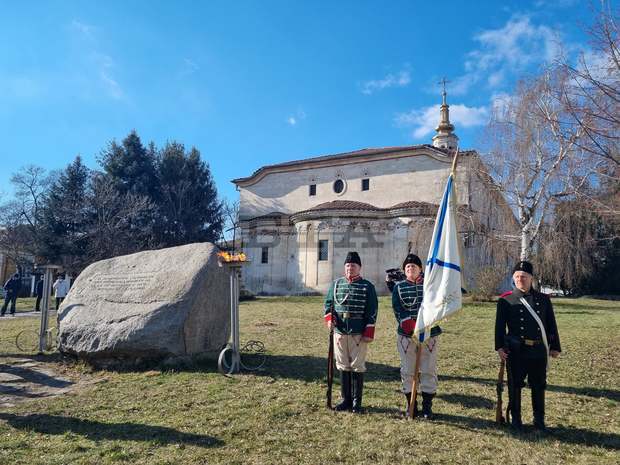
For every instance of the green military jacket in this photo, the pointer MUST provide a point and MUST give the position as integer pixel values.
(406, 301)
(352, 306)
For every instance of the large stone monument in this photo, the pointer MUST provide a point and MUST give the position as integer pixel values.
(149, 305)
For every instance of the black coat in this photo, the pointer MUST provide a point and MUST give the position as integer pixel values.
(39, 288)
(514, 317)
(12, 286)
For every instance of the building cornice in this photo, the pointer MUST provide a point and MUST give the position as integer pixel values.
(356, 157)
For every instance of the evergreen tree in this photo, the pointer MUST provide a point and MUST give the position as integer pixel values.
(113, 220)
(131, 167)
(64, 218)
(189, 210)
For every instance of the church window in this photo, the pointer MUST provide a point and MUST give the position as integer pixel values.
(365, 184)
(469, 239)
(323, 253)
(264, 256)
(312, 189)
(338, 186)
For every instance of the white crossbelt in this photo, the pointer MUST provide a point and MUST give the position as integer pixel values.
(538, 321)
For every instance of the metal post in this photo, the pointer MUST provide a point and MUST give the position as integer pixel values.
(234, 318)
(233, 346)
(45, 301)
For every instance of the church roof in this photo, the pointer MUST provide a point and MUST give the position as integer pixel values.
(351, 208)
(348, 157)
(343, 205)
(412, 204)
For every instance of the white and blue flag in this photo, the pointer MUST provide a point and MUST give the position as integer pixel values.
(442, 280)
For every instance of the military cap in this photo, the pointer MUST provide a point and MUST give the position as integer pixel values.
(353, 257)
(523, 266)
(412, 258)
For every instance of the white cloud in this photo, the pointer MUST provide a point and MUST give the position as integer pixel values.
(400, 79)
(105, 65)
(424, 120)
(555, 3)
(85, 29)
(505, 51)
(501, 103)
(294, 119)
(598, 65)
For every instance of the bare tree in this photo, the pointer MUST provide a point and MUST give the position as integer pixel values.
(30, 183)
(231, 223)
(533, 155)
(592, 92)
(19, 217)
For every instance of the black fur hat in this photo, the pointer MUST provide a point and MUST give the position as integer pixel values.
(523, 266)
(353, 257)
(412, 258)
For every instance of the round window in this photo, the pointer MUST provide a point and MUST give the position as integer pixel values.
(338, 186)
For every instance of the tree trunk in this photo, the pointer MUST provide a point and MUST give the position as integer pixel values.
(526, 243)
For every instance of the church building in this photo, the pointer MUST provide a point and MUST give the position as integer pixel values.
(299, 219)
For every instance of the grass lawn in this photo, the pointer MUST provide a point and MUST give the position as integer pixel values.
(26, 304)
(278, 416)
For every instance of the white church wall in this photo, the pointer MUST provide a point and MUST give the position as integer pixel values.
(394, 180)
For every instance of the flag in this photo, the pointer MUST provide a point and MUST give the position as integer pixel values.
(442, 280)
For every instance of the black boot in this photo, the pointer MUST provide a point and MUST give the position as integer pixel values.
(358, 391)
(345, 392)
(416, 413)
(538, 406)
(427, 405)
(515, 409)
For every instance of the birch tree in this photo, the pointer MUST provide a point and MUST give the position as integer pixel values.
(532, 154)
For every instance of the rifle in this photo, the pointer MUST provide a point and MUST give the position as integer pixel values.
(499, 418)
(330, 364)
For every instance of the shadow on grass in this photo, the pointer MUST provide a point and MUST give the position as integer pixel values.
(468, 401)
(308, 368)
(34, 376)
(610, 394)
(96, 431)
(577, 436)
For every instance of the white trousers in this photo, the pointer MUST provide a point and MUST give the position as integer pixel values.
(407, 349)
(350, 352)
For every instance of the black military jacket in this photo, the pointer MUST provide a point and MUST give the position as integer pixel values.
(512, 314)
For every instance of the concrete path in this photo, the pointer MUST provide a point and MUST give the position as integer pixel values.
(22, 379)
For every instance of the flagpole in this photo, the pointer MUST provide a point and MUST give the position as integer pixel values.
(456, 156)
(416, 379)
(453, 173)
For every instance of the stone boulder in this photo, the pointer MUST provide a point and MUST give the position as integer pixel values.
(151, 305)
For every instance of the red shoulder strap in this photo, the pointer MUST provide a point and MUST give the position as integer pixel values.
(507, 293)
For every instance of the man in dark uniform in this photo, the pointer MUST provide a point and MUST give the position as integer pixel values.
(11, 288)
(531, 338)
(351, 306)
(39, 294)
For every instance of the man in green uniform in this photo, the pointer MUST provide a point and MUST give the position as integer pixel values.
(351, 307)
(531, 338)
(406, 300)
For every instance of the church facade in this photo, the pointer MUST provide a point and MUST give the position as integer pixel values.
(299, 219)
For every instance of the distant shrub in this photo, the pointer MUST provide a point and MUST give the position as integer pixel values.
(488, 280)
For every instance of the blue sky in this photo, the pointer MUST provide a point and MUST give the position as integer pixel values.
(251, 83)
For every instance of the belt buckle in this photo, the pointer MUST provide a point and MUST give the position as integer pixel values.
(345, 315)
(529, 342)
